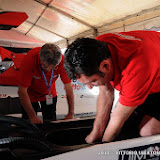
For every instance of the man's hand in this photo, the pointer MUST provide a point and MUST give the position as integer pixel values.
(35, 120)
(69, 116)
(93, 136)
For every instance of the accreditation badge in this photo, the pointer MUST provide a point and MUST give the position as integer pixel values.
(49, 99)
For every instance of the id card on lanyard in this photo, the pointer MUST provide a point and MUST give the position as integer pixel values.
(49, 97)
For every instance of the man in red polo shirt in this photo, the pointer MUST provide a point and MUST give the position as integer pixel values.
(129, 62)
(37, 76)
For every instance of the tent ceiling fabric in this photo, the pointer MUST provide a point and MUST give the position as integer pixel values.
(60, 21)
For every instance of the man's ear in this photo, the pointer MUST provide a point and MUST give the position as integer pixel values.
(104, 65)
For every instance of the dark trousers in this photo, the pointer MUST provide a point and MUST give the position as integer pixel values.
(48, 111)
(150, 107)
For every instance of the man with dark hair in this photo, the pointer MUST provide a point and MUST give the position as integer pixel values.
(37, 76)
(128, 62)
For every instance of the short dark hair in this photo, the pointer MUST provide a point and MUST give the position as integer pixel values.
(84, 56)
(50, 53)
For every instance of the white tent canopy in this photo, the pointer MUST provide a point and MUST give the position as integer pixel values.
(61, 21)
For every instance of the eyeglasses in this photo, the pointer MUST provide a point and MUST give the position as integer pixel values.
(48, 67)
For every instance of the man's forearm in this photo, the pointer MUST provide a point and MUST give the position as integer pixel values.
(70, 98)
(26, 104)
(113, 129)
(120, 114)
(104, 106)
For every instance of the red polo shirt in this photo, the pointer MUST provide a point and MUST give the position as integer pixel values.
(30, 76)
(136, 60)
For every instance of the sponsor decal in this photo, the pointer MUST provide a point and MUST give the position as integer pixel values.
(3, 95)
(77, 85)
(87, 96)
(84, 114)
(63, 96)
(81, 96)
(147, 152)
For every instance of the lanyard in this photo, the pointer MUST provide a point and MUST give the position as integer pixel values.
(45, 79)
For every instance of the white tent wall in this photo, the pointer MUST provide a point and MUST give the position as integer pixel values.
(144, 20)
(61, 21)
(151, 24)
(141, 21)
